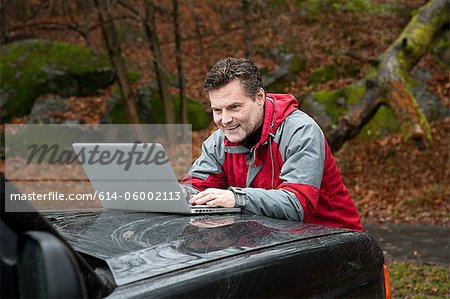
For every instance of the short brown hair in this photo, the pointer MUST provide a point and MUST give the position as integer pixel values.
(227, 69)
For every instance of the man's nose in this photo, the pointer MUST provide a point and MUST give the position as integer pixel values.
(226, 117)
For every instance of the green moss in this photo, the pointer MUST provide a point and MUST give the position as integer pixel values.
(443, 44)
(133, 76)
(354, 93)
(371, 72)
(326, 73)
(336, 103)
(322, 75)
(355, 6)
(326, 96)
(419, 35)
(424, 123)
(298, 64)
(383, 122)
(362, 6)
(329, 100)
(38, 53)
(31, 68)
(197, 116)
(314, 6)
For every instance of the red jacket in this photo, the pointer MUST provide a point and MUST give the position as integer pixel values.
(289, 174)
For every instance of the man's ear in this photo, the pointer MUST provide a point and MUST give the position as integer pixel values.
(260, 97)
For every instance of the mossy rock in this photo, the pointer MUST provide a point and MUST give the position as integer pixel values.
(328, 72)
(382, 123)
(289, 66)
(32, 68)
(152, 111)
(337, 103)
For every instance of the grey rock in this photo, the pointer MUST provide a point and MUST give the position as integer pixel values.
(282, 71)
(44, 109)
(143, 105)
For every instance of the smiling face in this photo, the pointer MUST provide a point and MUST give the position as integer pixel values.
(236, 115)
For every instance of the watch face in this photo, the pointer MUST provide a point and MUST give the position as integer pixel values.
(237, 190)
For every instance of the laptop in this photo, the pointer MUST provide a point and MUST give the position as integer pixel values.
(136, 177)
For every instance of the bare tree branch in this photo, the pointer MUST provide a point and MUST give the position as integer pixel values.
(372, 61)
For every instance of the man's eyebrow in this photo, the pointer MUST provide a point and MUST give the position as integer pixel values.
(234, 103)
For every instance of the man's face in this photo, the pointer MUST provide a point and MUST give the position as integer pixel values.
(236, 115)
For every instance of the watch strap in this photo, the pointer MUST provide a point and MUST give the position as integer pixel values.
(239, 196)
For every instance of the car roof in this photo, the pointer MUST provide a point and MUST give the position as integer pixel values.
(137, 245)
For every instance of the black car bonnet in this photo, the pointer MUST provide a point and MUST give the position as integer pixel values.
(142, 245)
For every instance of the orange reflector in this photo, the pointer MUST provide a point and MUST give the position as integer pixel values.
(387, 282)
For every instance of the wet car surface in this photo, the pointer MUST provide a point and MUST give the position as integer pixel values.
(235, 255)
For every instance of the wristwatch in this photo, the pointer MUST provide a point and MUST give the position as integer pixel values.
(239, 195)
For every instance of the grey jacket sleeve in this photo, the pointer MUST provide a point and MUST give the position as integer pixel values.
(280, 204)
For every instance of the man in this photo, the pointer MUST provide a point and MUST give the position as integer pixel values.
(268, 157)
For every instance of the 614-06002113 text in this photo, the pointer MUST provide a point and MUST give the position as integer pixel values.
(139, 195)
(132, 195)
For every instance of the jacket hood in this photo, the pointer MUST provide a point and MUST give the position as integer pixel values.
(276, 108)
(282, 106)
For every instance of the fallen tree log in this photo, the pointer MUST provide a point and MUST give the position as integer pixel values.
(390, 85)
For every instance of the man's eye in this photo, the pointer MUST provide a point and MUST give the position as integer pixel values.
(216, 111)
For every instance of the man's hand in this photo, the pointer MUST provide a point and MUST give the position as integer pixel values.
(214, 197)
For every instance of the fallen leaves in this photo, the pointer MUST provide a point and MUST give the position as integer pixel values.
(391, 180)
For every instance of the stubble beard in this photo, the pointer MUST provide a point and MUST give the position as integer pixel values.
(251, 126)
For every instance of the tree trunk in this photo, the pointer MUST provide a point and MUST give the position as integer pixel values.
(4, 34)
(183, 102)
(390, 86)
(19, 10)
(161, 73)
(247, 11)
(198, 31)
(115, 54)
